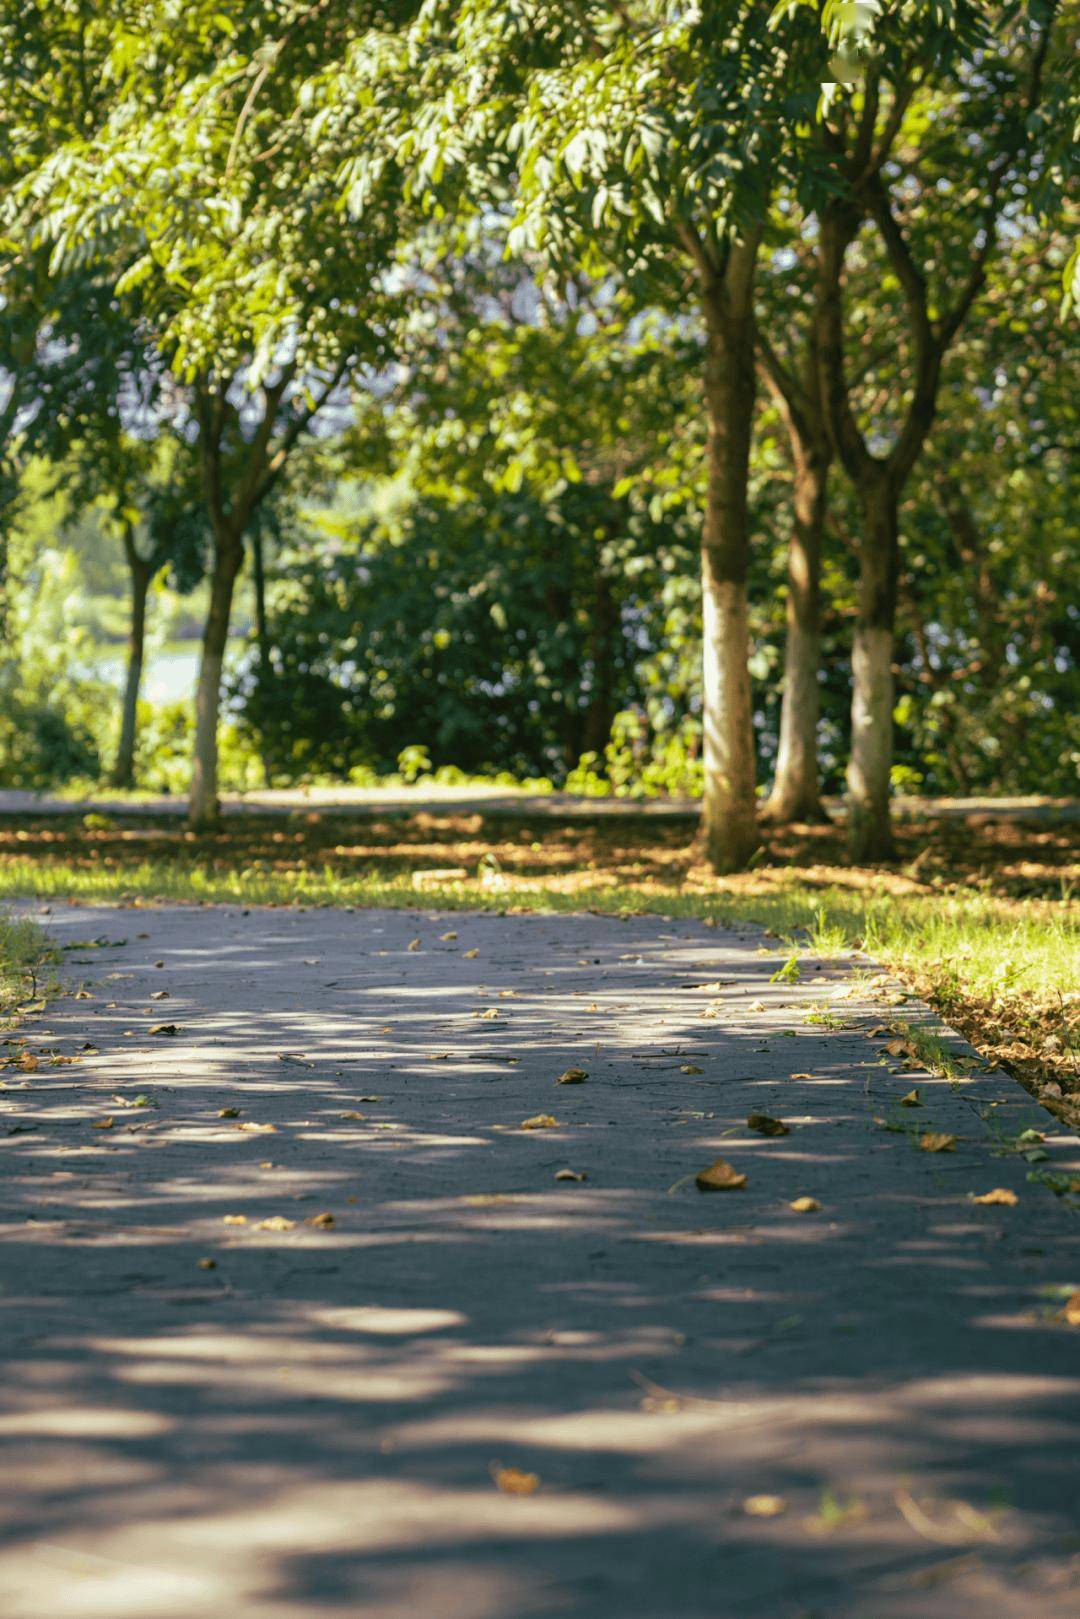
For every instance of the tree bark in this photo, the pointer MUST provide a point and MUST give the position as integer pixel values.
(796, 793)
(870, 764)
(262, 638)
(729, 815)
(203, 806)
(141, 574)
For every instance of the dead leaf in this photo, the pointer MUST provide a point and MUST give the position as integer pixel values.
(998, 1195)
(102, 1124)
(911, 1099)
(764, 1506)
(1070, 1311)
(719, 1177)
(690, 1068)
(228, 1113)
(160, 995)
(83, 995)
(234, 1219)
(470, 955)
(899, 1048)
(540, 1121)
(263, 1129)
(489, 1014)
(208, 1264)
(27, 1061)
(444, 938)
(805, 1205)
(573, 1076)
(322, 1221)
(765, 1126)
(352, 1114)
(163, 1028)
(570, 1175)
(802, 1076)
(414, 944)
(275, 1222)
(513, 1481)
(936, 1141)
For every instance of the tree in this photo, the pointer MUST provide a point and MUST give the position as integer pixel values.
(206, 187)
(937, 205)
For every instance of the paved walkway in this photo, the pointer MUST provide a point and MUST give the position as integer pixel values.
(513, 802)
(480, 1391)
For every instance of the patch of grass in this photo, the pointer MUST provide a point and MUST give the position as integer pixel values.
(991, 939)
(24, 952)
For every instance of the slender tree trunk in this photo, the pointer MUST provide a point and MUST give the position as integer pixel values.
(729, 815)
(796, 794)
(601, 706)
(141, 574)
(262, 640)
(203, 807)
(870, 765)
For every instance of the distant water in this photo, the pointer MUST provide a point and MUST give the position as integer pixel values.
(169, 675)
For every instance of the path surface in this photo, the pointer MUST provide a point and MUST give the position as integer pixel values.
(513, 802)
(310, 1429)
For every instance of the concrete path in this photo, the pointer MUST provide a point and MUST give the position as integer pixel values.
(480, 1391)
(513, 802)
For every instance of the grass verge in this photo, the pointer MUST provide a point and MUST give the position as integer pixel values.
(25, 952)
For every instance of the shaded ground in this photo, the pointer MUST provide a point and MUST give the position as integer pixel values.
(313, 1426)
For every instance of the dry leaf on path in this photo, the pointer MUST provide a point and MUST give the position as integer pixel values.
(540, 1121)
(27, 1061)
(1070, 1311)
(414, 944)
(275, 1222)
(444, 938)
(262, 1129)
(228, 1112)
(719, 1177)
(352, 1114)
(234, 1219)
(766, 1126)
(514, 1481)
(764, 1506)
(161, 995)
(489, 1014)
(690, 1068)
(570, 1175)
(573, 1076)
(805, 1205)
(912, 1099)
(322, 1221)
(936, 1141)
(102, 1124)
(208, 1264)
(999, 1195)
(163, 1028)
(470, 955)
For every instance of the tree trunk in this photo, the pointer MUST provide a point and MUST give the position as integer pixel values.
(729, 817)
(203, 807)
(870, 765)
(796, 794)
(141, 573)
(262, 641)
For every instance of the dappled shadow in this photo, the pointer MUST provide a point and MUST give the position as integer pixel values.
(311, 1426)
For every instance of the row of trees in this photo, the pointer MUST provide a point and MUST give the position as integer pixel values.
(255, 238)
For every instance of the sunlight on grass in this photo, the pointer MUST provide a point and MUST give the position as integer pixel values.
(24, 948)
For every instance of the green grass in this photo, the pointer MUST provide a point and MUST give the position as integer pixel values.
(24, 953)
(968, 943)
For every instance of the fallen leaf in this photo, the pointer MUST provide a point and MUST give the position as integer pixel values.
(414, 944)
(208, 1264)
(802, 1076)
(540, 1121)
(322, 1221)
(573, 1076)
(1070, 1311)
(83, 995)
(275, 1222)
(936, 1141)
(719, 1177)
(159, 964)
(470, 955)
(764, 1506)
(352, 1114)
(163, 1028)
(998, 1195)
(513, 1481)
(234, 1219)
(228, 1113)
(911, 1099)
(102, 1124)
(444, 938)
(489, 1014)
(263, 1129)
(765, 1126)
(899, 1048)
(690, 1068)
(805, 1205)
(27, 1061)
(570, 1175)
(161, 995)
